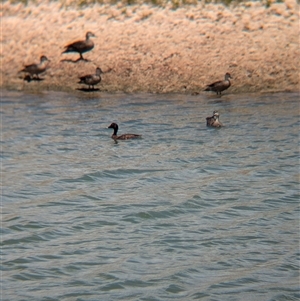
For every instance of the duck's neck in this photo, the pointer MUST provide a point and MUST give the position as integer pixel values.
(115, 131)
(227, 78)
(42, 66)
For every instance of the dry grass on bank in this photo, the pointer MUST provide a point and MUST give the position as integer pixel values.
(153, 49)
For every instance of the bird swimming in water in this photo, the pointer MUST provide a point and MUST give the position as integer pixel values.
(221, 85)
(214, 120)
(124, 136)
(36, 69)
(91, 79)
(81, 46)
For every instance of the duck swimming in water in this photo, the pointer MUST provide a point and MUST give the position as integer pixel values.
(221, 85)
(81, 46)
(36, 69)
(214, 120)
(91, 79)
(124, 136)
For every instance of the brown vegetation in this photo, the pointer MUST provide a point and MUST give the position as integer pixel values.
(153, 49)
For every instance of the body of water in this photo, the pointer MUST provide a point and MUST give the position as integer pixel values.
(185, 213)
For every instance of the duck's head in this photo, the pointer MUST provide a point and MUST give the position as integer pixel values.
(43, 58)
(89, 34)
(216, 115)
(228, 76)
(98, 71)
(113, 126)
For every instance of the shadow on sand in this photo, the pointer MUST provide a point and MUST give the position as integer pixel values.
(74, 61)
(28, 79)
(88, 90)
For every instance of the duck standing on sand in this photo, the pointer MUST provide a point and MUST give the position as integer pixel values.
(124, 136)
(81, 46)
(214, 120)
(221, 85)
(91, 79)
(36, 69)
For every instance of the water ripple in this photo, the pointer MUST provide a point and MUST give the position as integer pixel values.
(186, 213)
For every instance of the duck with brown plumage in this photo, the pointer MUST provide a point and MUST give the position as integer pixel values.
(214, 121)
(91, 79)
(114, 136)
(220, 85)
(81, 46)
(36, 69)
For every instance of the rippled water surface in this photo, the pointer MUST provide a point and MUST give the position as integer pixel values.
(186, 213)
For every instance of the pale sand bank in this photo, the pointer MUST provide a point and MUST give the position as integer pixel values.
(142, 48)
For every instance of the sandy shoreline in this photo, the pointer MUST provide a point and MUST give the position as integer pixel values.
(142, 48)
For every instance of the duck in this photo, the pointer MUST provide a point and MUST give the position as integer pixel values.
(114, 136)
(221, 85)
(36, 69)
(81, 46)
(214, 120)
(91, 79)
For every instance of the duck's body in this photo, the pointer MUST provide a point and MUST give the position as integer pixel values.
(91, 79)
(36, 69)
(124, 136)
(221, 85)
(81, 46)
(214, 120)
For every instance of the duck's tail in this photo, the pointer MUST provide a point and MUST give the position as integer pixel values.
(68, 49)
